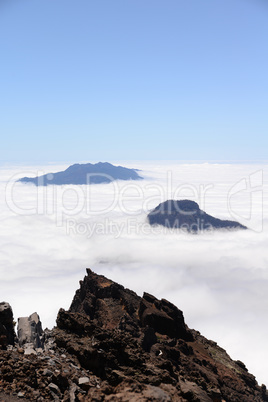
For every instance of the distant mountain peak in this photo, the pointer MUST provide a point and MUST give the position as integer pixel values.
(87, 173)
(187, 215)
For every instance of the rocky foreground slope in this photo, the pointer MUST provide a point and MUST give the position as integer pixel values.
(112, 345)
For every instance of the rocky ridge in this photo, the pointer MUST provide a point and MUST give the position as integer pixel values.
(112, 345)
(82, 174)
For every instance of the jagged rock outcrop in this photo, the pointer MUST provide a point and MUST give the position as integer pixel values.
(112, 345)
(30, 331)
(187, 216)
(141, 349)
(86, 173)
(7, 333)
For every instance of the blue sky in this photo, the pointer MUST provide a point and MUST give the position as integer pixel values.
(141, 79)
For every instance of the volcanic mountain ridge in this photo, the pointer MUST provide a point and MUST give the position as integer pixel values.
(88, 173)
(112, 345)
(187, 216)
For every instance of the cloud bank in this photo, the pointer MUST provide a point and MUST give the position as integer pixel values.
(219, 279)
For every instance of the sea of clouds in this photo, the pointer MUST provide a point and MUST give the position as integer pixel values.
(49, 235)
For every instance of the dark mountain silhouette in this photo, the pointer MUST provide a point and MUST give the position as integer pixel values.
(85, 174)
(186, 215)
(112, 345)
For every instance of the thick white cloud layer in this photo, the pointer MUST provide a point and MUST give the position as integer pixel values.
(48, 236)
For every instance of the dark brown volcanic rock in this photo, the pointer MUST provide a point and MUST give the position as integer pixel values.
(113, 345)
(7, 334)
(141, 349)
(186, 215)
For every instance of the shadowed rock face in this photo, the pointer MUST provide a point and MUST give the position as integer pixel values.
(85, 174)
(186, 215)
(110, 306)
(7, 333)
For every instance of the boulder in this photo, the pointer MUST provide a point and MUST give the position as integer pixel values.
(30, 331)
(7, 333)
(163, 317)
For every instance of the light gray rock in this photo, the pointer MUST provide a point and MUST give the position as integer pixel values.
(73, 390)
(29, 349)
(54, 388)
(30, 331)
(83, 380)
(84, 383)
